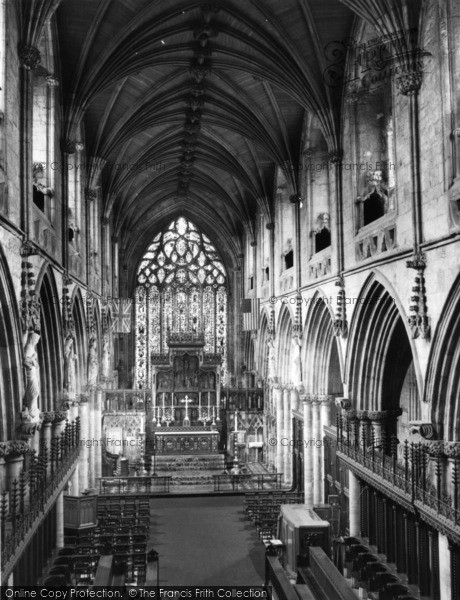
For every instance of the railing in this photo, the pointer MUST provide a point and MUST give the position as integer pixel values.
(30, 495)
(426, 477)
(322, 573)
(122, 485)
(126, 400)
(247, 481)
(242, 399)
(277, 583)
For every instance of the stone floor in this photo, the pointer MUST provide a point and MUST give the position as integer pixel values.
(205, 541)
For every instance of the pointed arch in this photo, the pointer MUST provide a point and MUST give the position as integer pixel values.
(81, 342)
(284, 336)
(321, 353)
(49, 348)
(11, 383)
(443, 374)
(380, 350)
(182, 288)
(262, 350)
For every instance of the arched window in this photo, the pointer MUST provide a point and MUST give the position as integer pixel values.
(181, 289)
(43, 128)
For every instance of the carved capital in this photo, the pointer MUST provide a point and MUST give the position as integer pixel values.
(51, 80)
(29, 57)
(47, 417)
(378, 416)
(452, 449)
(68, 146)
(336, 156)
(59, 416)
(350, 415)
(409, 83)
(14, 448)
(435, 449)
(90, 194)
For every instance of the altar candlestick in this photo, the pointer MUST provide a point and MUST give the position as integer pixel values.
(163, 401)
(236, 420)
(209, 402)
(199, 401)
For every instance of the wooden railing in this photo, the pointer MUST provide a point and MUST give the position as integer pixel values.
(276, 581)
(322, 573)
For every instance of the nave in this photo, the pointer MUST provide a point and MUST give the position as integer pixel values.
(229, 265)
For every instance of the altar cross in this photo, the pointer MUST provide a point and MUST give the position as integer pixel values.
(186, 401)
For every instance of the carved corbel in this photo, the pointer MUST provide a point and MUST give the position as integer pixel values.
(419, 321)
(340, 324)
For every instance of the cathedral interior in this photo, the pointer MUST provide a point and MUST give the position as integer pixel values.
(230, 296)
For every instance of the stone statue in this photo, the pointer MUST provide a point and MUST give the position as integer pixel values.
(70, 358)
(93, 362)
(296, 370)
(271, 359)
(31, 366)
(105, 356)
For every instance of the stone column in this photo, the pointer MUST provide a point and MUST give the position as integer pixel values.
(2, 471)
(287, 437)
(326, 402)
(363, 429)
(14, 461)
(35, 439)
(84, 450)
(98, 436)
(278, 402)
(58, 423)
(316, 448)
(378, 419)
(60, 521)
(354, 504)
(46, 430)
(445, 577)
(91, 448)
(307, 451)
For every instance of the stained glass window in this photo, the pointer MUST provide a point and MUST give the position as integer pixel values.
(181, 288)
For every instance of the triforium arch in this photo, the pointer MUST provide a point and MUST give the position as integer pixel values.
(49, 348)
(321, 353)
(442, 388)
(380, 361)
(284, 349)
(11, 386)
(261, 358)
(81, 342)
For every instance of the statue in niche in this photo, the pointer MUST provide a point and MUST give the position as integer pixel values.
(105, 355)
(31, 366)
(93, 362)
(70, 358)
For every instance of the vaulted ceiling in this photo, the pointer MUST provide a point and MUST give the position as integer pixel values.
(192, 105)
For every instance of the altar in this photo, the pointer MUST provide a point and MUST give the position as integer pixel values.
(186, 440)
(184, 417)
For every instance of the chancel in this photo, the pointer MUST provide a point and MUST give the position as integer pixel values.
(230, 297)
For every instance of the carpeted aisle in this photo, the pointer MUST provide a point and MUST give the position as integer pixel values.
(205, 541)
